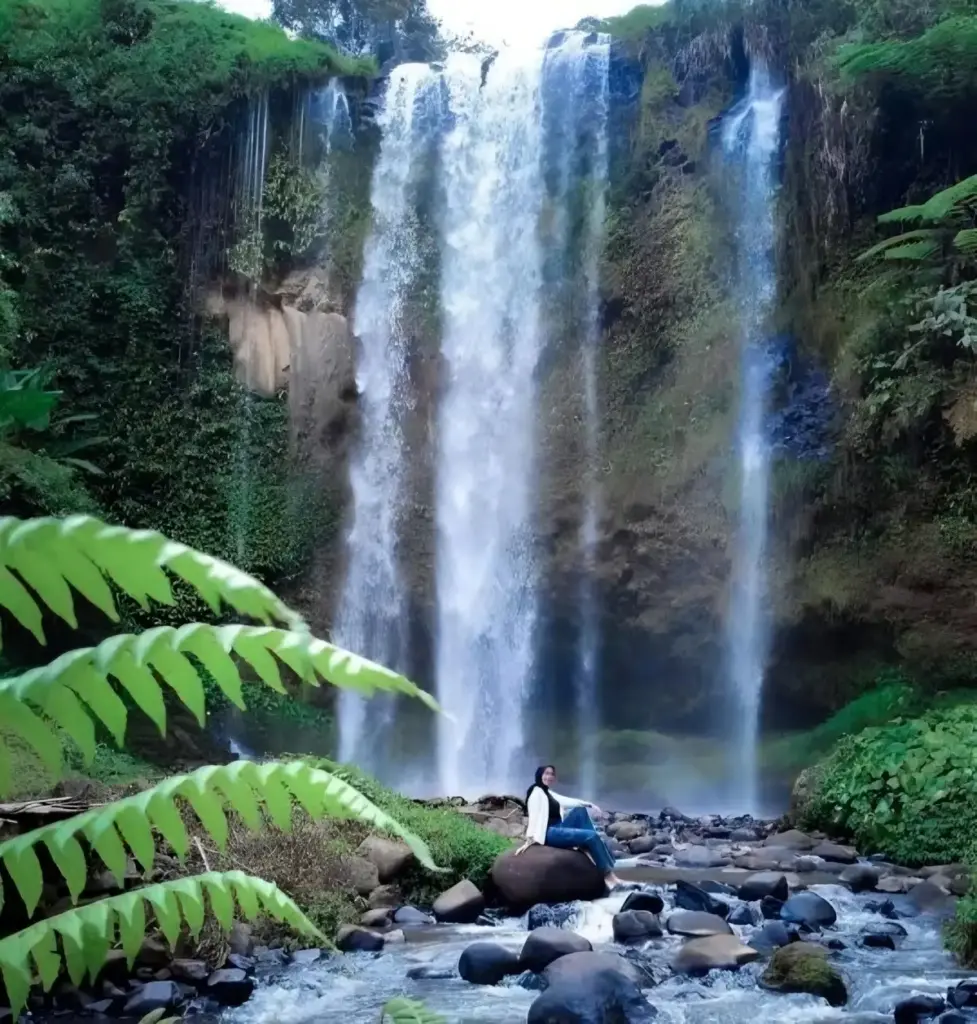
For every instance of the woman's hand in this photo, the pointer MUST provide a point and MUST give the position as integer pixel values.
(594, 808)
(525, 846)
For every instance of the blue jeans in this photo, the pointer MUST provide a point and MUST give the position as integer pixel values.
(577, 832)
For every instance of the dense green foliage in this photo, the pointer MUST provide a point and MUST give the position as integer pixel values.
(905, 789)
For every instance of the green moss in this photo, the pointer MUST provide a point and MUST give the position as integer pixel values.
(803, 967)
(638, 22)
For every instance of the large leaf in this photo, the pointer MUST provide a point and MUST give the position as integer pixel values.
(55, 555)
(409, 1011)
(85, 934)
(927, 241)
(74, 690)
(244, 787)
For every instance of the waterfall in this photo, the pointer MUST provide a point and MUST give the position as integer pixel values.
(491, 341)
(751, 138)
(372, 614)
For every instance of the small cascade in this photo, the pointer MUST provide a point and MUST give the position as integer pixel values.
(751, 137)
(373, 607)
(490, 296)
(575, 117)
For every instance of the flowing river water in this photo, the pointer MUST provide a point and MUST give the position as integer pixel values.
(354, 987)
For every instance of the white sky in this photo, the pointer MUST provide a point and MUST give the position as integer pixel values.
(494, 21)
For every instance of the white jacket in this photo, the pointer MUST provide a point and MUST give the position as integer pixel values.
(539, 812)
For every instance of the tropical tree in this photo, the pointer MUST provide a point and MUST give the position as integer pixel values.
(45, 564)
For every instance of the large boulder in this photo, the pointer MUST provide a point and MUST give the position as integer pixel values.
(696, 924)
(591, 988)
(545, 945)
(700, 857)
(808, 908)
(764, 883)
(689, 896)
(583, 963)
(860, 877)
(714, 953)
(649, 901)
(791, 840)
(636, 926)
(835, 853)
(352, 938)
(461, 904)
(544, 874)
(486, 963)
(390, 856)
(804, 967)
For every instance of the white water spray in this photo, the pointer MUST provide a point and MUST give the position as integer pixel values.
(751, 137)
(373, 611)
(490, 297)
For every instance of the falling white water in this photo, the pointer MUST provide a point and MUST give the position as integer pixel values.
(751, 137)
(490, 296)
(372, 613)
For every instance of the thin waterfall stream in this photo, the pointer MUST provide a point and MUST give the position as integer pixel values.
(751, 137)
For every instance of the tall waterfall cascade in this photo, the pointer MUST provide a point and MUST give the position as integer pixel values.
(373, 607)
(502, 130)
(751, 137)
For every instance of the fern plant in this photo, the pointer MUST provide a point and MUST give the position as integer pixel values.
(948, 232)
(44, 563)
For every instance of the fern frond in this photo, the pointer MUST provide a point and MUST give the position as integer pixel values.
(966, 242)
(87, 933)
(955, 199)
(244, 787)
(55, 555)
(74, 690)
(916, 251)
(409, 1011)
(929, 237)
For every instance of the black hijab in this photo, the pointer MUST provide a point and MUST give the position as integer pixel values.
(539, 781)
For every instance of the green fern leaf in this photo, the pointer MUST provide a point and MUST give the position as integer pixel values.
(245, 787)
(75, 689)
(915, 251)
(966, 242)
(86, 933)
(409, 1011)
(54, 556)
(928, 240)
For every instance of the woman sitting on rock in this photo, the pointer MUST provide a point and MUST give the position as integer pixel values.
(563, 822)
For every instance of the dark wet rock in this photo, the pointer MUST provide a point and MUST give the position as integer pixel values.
(809, 909)
(771, 936)
(742, 914)
(485, 963)
(770, 908)
(716, 952)
(636, 926)
(302, 957)
(379, 919)
(757, 862)
(429, 973)
(952, 1017)
(883, 935)
(860, 877)
(529, 981)
(697, 924)
(587, 963)
(544, 874)
(965, 994)
(671, 814)
(649, 901)
(240, 939)
(461, 904)
(412, 917)
(716, 889)
(196, 972)
(928, 898)
(885, 908)
(653, 972)
(591, 988)
(154, 995)
(918, 1007)
(764, 883)
(352, 938)
(804, 967)
(836, 853)
(643, 844)
(689, 896)
(791, 840)
(240, 961)
(230, 986)
(835, 944)
(545, 945)
(550, 914)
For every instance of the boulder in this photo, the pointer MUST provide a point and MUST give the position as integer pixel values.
(792, 839)
(155, 995)
(928, 898)
(361, 874)
(544, 874)
(757, 862)
(390, 857)
(696, 924)
(577, 964)
(917, 1008)
(700, 857)
(385, 896)
(810, 909)
(194, 972)
(230, 986)
(643, 844)
(649, 901)
(896, 884)
(461, 904)
(486, 963)
(860, 877)
(302, 957)
(240, 939)
(636, 926)
(625, 831)
(883, 935)
(595, 995)
(764, 883)
(351, 938)
(965, 994)
(804, 967)
(771, 936)
(378, 919)
(713, 953)
(835, 852)
(689, 896)
(742, 914)
(545, 945)
(412, 917)
(770, 908)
